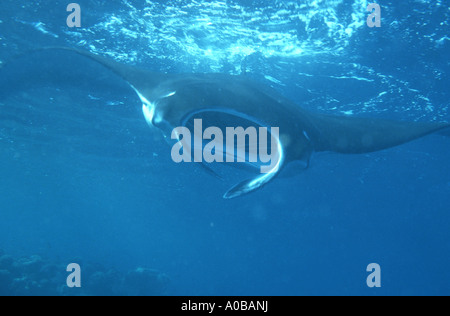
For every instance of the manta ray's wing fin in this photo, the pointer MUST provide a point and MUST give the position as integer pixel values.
(140, 79)
(354, 135)
(445, 132)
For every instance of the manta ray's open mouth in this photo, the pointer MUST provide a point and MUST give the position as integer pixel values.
(228, 136)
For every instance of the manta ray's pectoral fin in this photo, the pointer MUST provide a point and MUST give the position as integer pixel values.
(445, 132)
(251, 185)
(355, 135)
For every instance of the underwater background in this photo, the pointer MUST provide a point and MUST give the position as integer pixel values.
(83, 179)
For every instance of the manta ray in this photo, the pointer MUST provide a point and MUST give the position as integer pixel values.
(172, 100)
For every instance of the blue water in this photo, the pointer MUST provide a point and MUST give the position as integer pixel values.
(84, 180)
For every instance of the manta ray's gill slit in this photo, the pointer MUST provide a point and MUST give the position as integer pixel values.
(305, 133)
